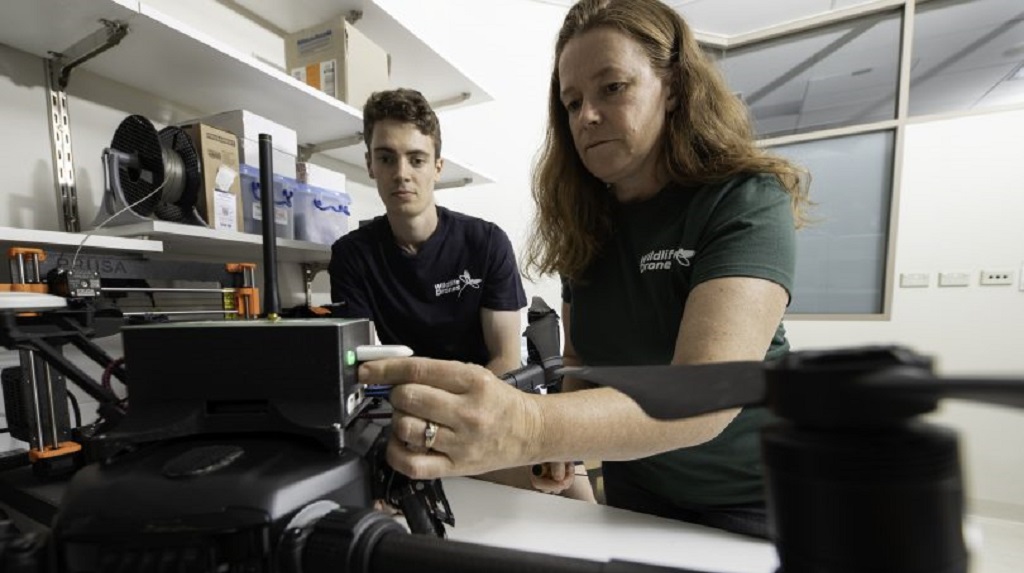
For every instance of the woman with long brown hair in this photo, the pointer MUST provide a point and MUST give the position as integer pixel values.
(674, 235)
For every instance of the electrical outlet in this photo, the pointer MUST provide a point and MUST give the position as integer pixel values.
(954, 279)
(996, 278)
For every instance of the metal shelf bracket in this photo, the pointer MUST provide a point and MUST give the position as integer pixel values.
(58, 74)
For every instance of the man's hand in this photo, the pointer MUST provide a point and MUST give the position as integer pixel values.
(561, 478)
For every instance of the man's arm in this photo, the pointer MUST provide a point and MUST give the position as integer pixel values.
(502, 330)
(500, 302)
(348, 283)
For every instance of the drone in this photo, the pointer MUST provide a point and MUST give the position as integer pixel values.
(205, 459)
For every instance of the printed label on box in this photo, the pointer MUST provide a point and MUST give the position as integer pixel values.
(225, 177)
(320, 76)
(280, 214)
(226, 215)
(315, 43)
(327, 71)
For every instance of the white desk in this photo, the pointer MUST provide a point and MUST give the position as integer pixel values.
(497, 515)
(502, 516)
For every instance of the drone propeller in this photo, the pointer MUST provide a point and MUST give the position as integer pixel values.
(850, 387)
(852, 482)
(708, 387)
(997, 391)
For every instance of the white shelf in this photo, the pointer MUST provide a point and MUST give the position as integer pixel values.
(163, 56)
(181, 239)
(414, 64)
(29, 237)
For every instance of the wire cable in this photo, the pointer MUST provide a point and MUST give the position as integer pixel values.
(76, 409)
(74, 259)
(108, 371)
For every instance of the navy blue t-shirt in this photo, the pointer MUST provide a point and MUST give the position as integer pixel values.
(429, 301)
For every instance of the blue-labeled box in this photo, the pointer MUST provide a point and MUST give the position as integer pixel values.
(284, 203)
(321, 215)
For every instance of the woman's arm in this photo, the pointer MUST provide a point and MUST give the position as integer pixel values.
(726, 319)
(485, 426)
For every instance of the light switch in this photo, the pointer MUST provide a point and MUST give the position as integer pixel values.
(954, 279)
(914, 280)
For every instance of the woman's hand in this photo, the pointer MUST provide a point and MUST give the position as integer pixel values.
(483, 424)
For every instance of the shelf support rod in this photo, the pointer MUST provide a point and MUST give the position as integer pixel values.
(309, 272)
(452, 184)
(449, 101)
(308, 150)
(58, 74)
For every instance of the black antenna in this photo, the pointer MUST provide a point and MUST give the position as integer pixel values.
(271, 300)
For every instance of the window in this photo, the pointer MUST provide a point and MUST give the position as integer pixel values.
(823, 90)
(841, 255)
(844, 74)
(967, 55)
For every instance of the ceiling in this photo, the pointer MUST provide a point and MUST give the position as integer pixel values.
(842, 69)
(736, 17)
(966, 54)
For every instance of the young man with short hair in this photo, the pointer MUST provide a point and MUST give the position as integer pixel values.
(441, 282)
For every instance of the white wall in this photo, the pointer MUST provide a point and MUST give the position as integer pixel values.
(961, 203)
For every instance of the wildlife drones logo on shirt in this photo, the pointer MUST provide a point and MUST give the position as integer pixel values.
(662, 259)
(459, 284)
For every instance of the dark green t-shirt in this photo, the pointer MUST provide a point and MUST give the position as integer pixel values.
(627, 307)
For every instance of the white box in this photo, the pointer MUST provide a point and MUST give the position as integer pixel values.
(248, 126)
(318, 176)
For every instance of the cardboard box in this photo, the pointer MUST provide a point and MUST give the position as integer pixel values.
(248, 126)
(338, 60)
(220, 203)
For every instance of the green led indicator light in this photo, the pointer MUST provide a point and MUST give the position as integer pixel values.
(350, 357)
